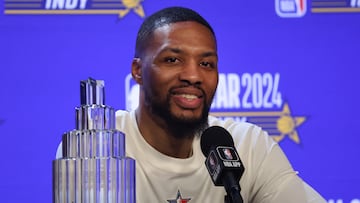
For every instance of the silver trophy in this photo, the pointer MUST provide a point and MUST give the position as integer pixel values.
(93, 167)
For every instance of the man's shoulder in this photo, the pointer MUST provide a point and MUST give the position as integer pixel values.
(123, 119)
(122, 113)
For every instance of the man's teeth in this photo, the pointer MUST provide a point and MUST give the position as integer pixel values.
(189, 96)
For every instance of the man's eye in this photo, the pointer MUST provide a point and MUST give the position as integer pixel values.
(170, 59)
(207, 64)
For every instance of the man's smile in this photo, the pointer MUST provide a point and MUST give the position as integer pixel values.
(188, 98)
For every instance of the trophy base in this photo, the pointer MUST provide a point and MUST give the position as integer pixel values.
(94, 180)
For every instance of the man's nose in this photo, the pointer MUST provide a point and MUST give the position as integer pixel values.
(191, 73)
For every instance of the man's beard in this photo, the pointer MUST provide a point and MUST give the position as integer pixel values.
(180, 127)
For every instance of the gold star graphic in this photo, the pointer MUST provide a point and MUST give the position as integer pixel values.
(279, 124)
(132, 5)
(286, 125)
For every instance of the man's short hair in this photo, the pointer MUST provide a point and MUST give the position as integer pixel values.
(165, 17)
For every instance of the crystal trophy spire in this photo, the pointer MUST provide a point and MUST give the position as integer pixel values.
(93, 167)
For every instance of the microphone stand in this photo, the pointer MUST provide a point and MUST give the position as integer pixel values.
(233, 189)
(233, 199)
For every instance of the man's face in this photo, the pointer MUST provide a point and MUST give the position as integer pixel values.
(179, 73)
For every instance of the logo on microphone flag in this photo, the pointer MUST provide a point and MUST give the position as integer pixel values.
(212, 162)
(227, 154)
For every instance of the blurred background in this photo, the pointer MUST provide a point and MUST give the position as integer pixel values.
(290, 66)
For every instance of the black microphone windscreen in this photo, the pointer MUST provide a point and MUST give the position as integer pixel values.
(215, 136)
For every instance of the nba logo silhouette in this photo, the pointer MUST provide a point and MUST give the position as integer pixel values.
(290, 8)
(227, 154)
(212, 161)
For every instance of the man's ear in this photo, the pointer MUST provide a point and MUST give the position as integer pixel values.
(136, 70)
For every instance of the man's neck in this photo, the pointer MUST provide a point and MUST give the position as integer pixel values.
(156, 133)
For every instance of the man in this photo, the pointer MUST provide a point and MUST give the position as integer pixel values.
(175, 65)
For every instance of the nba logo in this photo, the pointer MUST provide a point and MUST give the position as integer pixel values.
(227, 154)
(131, 93)
(211, 162)
(290, 8)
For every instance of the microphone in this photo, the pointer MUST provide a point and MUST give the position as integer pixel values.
(222, 161)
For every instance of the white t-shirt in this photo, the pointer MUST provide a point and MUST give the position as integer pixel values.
(268, 175)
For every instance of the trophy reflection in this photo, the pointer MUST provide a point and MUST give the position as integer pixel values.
(93, 167)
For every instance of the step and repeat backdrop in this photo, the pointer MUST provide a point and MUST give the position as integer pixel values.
(290, 66)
